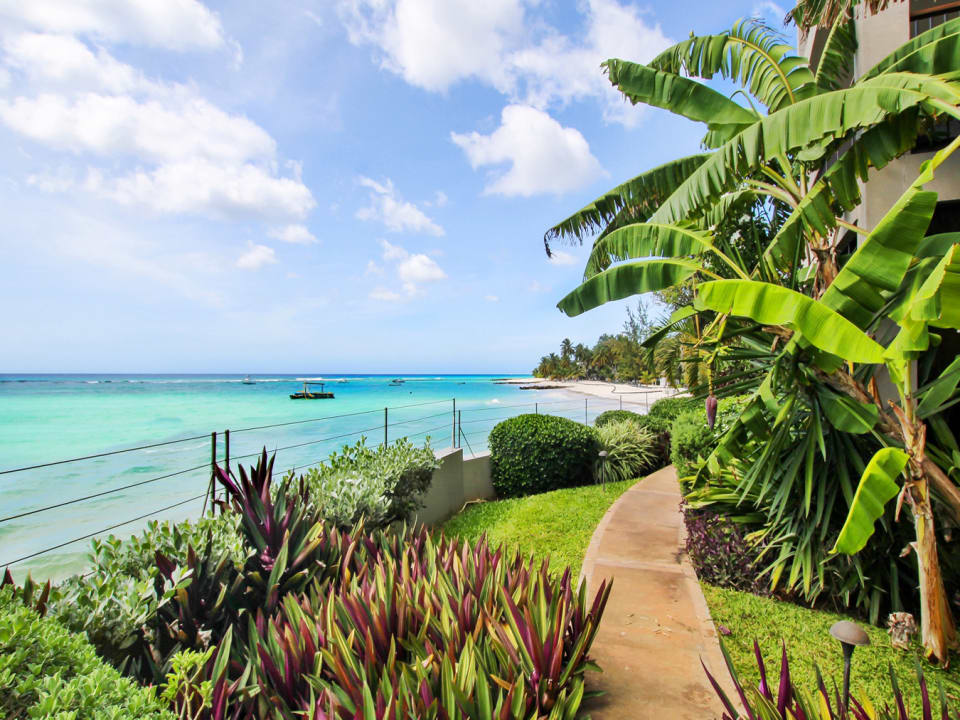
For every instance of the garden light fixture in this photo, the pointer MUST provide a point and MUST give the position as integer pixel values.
(850, 636)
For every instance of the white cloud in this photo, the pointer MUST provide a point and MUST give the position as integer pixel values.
(561, 69)
(381, 293)
(204, 188)
(170, 24)
(387, 207)
(373, 268)
(112, 125)
(491, 298)
(543, 156)
(418, 269)
(433, 44)
(182, 153)
(256, 257)
(412, 270)
(769, 8)
(65, 61)
(440, 199)
(297, 234)
(559, 257)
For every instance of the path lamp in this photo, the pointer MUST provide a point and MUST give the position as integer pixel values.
(850, 636)
(603, 468)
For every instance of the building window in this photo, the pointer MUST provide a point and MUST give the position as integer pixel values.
(927, 14)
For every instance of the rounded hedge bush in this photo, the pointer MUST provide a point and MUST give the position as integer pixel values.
(672, 407)
(536, 453)
(611, 416)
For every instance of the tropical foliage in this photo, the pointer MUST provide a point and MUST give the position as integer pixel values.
(620, 357)
(812, 314)
(629, 452)
(308, 619)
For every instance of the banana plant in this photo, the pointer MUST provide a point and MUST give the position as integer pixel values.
(807, 322)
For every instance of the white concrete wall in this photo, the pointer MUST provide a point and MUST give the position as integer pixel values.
(878, 36)
(458, 480)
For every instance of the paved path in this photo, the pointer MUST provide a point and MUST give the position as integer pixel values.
(656, 627)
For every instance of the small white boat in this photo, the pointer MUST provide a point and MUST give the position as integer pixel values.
(248, 381)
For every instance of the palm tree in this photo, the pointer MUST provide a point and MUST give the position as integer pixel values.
(803, 323)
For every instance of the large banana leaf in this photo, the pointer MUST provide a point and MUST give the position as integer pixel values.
(836, 115)
(752, 55)
(770, 304)
(877, 487)
(688, 98)
(839, 187)
(877, 268)
(642, 194)
(835, 68)
(923, 54)
(641, 240)
(625, 280)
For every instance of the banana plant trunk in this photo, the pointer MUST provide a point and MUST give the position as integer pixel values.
(937, 626)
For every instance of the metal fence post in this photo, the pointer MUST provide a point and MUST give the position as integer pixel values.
(385, 427)
(460, 423)
(621, 402)
(536, 408)
(453, 431)
(213, 474)
(226, 453)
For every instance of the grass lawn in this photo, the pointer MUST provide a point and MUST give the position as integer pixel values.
(558, 524)
(808, 643)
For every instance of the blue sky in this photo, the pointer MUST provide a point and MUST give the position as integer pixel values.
(329, 185)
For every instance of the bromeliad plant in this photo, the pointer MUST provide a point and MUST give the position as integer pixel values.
(803, 320)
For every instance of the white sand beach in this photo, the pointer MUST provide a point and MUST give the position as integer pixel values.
(636, 395)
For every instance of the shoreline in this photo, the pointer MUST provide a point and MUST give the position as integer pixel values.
(635, 395)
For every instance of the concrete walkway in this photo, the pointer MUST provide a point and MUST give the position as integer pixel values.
(656, 627)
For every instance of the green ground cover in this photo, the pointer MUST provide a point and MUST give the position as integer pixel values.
(809, 643)
(558, 524)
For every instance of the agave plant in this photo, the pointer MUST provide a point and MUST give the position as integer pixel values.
(808, 327)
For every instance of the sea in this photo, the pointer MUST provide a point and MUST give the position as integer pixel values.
(84, 456)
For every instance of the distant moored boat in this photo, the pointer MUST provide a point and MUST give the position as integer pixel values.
(248, 381)
(307, 395)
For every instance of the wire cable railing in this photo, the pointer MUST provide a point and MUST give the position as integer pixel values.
(454, 426)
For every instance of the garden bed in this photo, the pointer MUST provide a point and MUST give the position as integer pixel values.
(809, 644)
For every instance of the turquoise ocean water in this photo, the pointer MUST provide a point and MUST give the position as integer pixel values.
(49, 418)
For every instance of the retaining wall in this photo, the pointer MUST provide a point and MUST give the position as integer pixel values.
(458, 480)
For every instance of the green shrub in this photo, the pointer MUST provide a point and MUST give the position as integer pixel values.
(692, 440)
(656, 425)
(536, 453)
(116, 597)
(48, 672)
(611, 416)
(670, 408)
(629, 451)
(380, 484)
